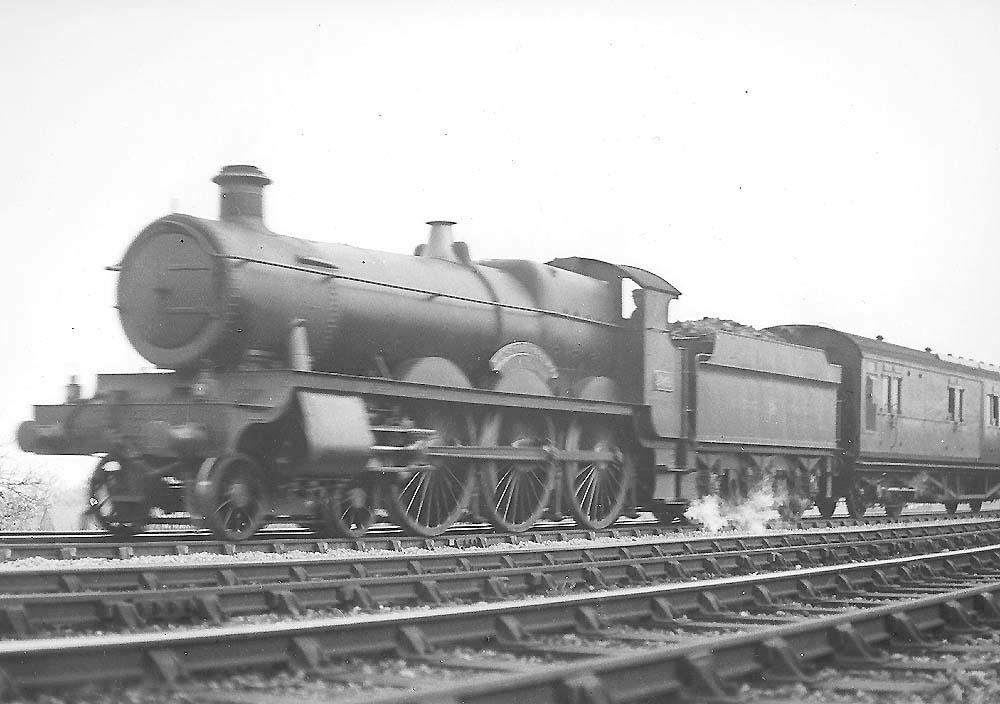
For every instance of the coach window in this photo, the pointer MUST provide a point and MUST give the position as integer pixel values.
(994, 410)
(892, 387)
(956, 404)
(870, 407)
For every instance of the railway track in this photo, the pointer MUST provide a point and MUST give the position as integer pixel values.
(893, 617)
(557, 547)
(151, 596)
(516, 607)
(95, 544)
(104, 546)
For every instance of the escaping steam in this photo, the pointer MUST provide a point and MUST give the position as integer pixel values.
(753, 514)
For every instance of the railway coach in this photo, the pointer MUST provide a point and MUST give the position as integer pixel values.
(912, 425)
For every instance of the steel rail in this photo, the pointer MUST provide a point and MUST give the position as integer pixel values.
(188, 533)
(174, 656)
(776, 654)
(69, 576)
(382, 537)
(379, 530)
(98, 544)
(490, 576)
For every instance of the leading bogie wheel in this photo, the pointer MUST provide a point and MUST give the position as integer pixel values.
(349, 509)
(232, 496)
(427, 501)
(596, 491)
(116, 505)
(950, 507)
(515, 493)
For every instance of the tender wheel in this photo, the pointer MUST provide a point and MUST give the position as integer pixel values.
(668, 514)
(857, 502)
(516, 494)
(596, 492)
(950, 507)
(231, 495)
(975, 506)
(826, 507)
(894, 510)
(790, 482)
(427, 501)
(109, 500)
(349, 510)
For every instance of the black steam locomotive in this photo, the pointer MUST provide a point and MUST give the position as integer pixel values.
(325, 384)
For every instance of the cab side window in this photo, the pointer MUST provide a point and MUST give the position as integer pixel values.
(630, 299)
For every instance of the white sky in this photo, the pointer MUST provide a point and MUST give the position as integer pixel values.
(778, 162)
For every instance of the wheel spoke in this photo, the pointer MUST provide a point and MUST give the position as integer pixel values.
(436, 488)
(527, 497)
(421, 490)
(506, 496)
(412, 488)
(536, 483)
(227, 518)
(588, 486)
(451, 482)
(428, 506)
(593, 491)
(432, 496)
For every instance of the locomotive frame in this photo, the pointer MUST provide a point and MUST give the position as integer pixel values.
(250, 426)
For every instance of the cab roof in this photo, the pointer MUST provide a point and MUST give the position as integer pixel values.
(611, 272)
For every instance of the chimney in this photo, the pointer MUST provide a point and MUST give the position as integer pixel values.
(440, 242)
(241, 195)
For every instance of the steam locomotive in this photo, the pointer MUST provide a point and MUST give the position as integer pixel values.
(330, 385)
